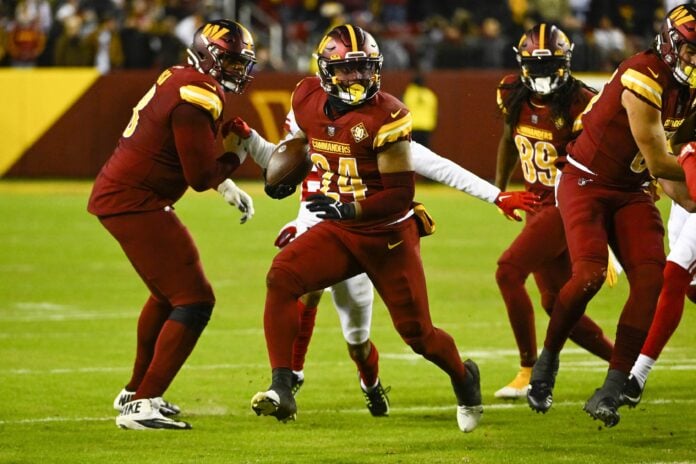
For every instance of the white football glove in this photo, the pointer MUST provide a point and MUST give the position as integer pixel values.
(237, 197)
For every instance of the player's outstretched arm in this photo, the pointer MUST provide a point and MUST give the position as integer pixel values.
(433, 166)
(239, 138)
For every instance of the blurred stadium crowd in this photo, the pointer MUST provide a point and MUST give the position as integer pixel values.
(413, 34)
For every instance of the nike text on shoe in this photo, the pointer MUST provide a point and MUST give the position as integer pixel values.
(377, 400)
(165, 407)
(603, 405)
(518, 388)
(276, 403)
(632, 393)
(540, 394)
(470, 407)
(122, 398)
(145, 414)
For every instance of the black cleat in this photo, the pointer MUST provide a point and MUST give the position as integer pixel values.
(540, 394)
(275, 402)
(632, 393)
(297, 383)
(603, 405)
(377, 400)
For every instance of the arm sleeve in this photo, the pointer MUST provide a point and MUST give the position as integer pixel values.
(433, 166)
(194, 137)
(399, 188)
(261, 149)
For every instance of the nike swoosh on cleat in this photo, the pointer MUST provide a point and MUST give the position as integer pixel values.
(504, 197)
(395, 114)
(391, 246)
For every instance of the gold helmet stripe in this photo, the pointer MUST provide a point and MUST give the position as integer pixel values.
(542, 36)
(353, 39)
(246, 35)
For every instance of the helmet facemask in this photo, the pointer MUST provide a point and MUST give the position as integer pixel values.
(543, 54)
(353, 82)
(544, 75)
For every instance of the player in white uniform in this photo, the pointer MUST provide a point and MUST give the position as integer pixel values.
(678, 283)
(353, 298)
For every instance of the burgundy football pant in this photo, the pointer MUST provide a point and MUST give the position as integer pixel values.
(327, 254)
(540, 249)
(594, 215)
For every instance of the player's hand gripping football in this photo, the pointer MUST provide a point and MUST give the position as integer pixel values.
(508, 202)
(278, 192)
(235, 135)
(328, 208)
(237, 197)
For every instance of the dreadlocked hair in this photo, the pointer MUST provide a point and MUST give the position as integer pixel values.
(560, 101)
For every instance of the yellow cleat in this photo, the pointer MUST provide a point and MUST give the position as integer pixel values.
(518, 387)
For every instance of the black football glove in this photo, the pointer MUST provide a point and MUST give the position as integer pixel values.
(279, 191)
(328, 208)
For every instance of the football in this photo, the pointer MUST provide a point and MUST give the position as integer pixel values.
(289, 163)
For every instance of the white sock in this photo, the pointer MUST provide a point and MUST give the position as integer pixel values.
(641, 369)
(366, 388)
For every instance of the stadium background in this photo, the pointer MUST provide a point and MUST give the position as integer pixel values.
(64, 122)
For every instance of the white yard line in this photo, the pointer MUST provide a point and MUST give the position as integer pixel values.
(395, 410)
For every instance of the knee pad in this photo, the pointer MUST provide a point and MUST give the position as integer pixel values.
(194, 316)
(356, 336)
(507, 274)
(547, 301)
(281, 279)
(590, 276)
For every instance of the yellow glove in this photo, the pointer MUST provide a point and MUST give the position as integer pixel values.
(614, 269)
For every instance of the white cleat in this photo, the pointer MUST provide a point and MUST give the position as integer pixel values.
(166, 408)
(145, 415)
(468, 417)
(512, 393)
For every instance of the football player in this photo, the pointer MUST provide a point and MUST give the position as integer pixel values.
(359, 139)
(170, 145)
(353, 298)
(679, 270)
(539, 106)
(602, 199)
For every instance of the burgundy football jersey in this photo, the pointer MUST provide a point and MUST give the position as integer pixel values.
(605, 145)
(145, 172)
(541, 139)
(344, 150)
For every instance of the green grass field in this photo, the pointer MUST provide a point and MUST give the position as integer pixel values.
(70, 301)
